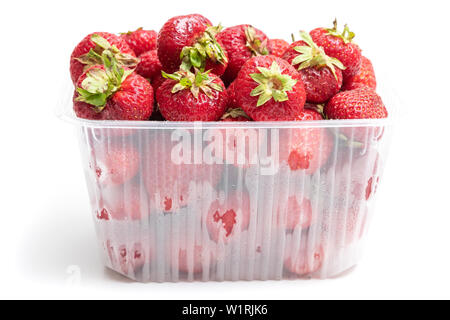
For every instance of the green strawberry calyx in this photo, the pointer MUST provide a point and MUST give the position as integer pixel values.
(206, 47)
(94, 56)
(131, 32)
(272, 84)
(235, 113)
(312, 55)
(100, 84)
(195, 82)
(254, 43)
(345, 35)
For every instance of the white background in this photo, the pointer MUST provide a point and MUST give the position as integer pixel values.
(46, 224)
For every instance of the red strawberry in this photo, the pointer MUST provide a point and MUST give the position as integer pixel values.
(141, 40)
(343, 226)
(340, 46)
(270, 89)
(89, 51)
(305, 148)
(193, 260)
(116, 163)
(192, 97)
(232, 103)
(168, 179)
(113, 93)
(361, 103)
(190, 41)
(225, 220)
(353, 180)
(124, 202)
(277, 47)
(321, 74)
(365, 77)
(125, 258)
(312, 112)
(297, 210)
(149, 66)
(307, 260)
(157, 81)
(241, 43)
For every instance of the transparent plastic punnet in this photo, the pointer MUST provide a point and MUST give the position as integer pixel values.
(218, 201)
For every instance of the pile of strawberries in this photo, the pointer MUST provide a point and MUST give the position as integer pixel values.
(194, 71)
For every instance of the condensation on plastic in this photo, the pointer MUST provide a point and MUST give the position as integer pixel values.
(147, 237)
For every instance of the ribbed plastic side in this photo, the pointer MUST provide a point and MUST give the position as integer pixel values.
(205, 204)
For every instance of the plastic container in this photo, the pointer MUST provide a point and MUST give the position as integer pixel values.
(167, 211)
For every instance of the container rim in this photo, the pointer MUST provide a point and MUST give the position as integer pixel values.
(121, 124)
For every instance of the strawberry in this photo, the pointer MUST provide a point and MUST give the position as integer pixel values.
(297, 210)
(321, 74)
(277, 47)
(157, 81)
(149, 66)
(116, 164)
(343, 226)
(89, 52)
(270, 89)
(110, 92)
(193, 260)
(312, 112)
(190, 41)
(361, 103)
(141, 41)
(168, 181)
(352, 180)
(365, 77)
(340, 46)
(123, 202)
(241, 43)
(226, 219)
(305, 149)
(125, 256)
(307, 260)
(186, 96)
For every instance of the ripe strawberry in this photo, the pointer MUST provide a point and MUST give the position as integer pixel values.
(352, 180)
(123, 202)
(321, 74)
(297, 210)
(361, 103)
(226, 219)
(141, 40)
(241, 43)
(149, 66)
(157, 81)
(312, 112)
(192, 97)
(190, 41)
(343, 226)
(365, 77)
(307, 260)
(89, 52)
(122, 257)
(168, 178)
(192, 261)
(110, 92)
(340, 46)
(270, 89)
(116, 163)
(277, 47)
(305, 148)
